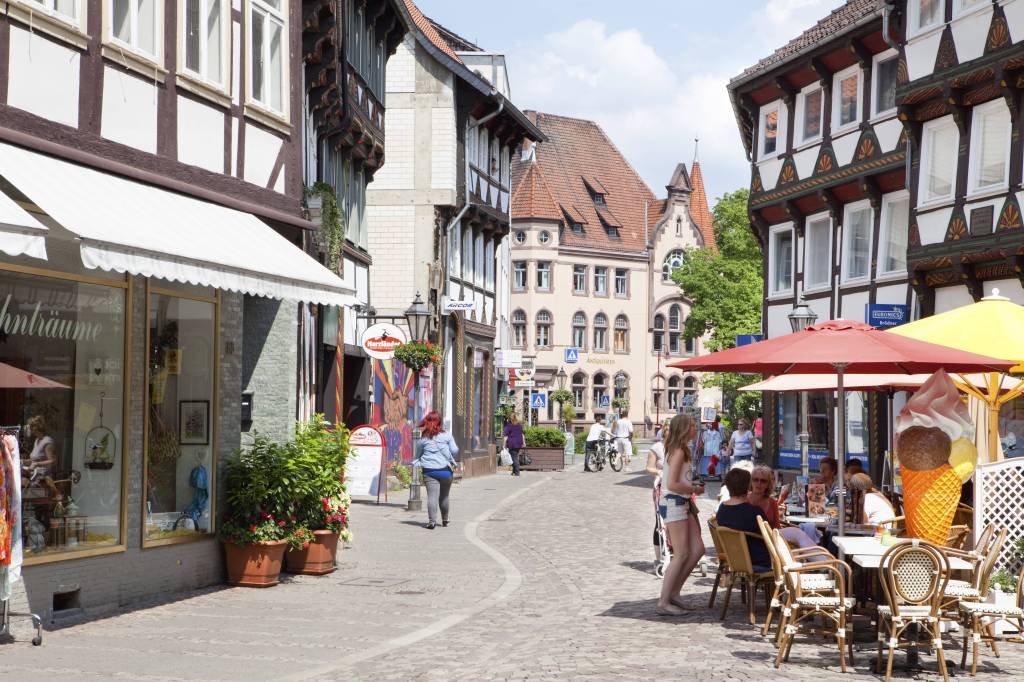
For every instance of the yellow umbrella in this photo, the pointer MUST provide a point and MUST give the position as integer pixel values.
(993, 326)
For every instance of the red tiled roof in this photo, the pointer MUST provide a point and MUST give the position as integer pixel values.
(840, 19)
(699, 210)
(576, 148)
(655, 212)
(428, 30)
(531, 196)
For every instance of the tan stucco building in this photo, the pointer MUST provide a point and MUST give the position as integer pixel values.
(592, 254)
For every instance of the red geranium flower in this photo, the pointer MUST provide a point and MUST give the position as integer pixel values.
(281, 524)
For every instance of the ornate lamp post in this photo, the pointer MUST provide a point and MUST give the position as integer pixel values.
(800, 318)
(657, 388)
(560, 378)
(417, 316)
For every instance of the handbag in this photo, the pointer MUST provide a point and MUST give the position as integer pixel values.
(524, 458)
(505, 458)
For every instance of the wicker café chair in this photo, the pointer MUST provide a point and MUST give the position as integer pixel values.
(741, 568)
(913, 576)
(723, 561)
(802, 606)
(812, 582)
(976, 589)
(978, 619)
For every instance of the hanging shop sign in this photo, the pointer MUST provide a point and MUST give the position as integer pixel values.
(450, 306)
(380, 340)
(364, 468)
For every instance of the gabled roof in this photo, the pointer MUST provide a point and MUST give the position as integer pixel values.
(594, 184)
(531, 196)
(606, 215)
(454, 40)
(680, 181)
(575, 149)
(842, 19)
(699, 209)
(426, 26)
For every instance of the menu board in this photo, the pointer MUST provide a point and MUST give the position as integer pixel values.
(364, 468)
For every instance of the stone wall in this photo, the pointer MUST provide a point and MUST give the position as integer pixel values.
(269, 366)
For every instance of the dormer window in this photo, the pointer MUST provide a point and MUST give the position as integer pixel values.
(597, 198)
(576, 227)
(596, 190)
(612, 232)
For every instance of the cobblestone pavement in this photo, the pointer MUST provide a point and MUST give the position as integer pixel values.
(542, 577)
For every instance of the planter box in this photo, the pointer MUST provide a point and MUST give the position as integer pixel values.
(1000, 598)
(546, 459)
(256, 565)
(317, 558)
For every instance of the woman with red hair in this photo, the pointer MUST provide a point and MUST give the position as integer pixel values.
(435, 454)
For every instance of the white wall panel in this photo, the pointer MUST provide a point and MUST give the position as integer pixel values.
(397, 171)
(932, 225)
(401, 68)
(770, 173)
(129, 110)
(1014, 11)
(888, 134)
(822, 307)
(442, 148)
(1010, 288)
(947, 298)
(43, 77)
(362, 283)
(996, 204)
(200, 135)
(844, 147)
(853, 306)
(970, 33)
(805, 161)
(778, 322)
(261, 150)
(921, 55)
(896, 293)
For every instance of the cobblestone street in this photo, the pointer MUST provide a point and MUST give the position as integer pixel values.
(542, 577)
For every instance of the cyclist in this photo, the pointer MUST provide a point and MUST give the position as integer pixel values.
(597, 431)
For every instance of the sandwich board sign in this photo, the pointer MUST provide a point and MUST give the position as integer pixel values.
(539, 401)
(365, 466)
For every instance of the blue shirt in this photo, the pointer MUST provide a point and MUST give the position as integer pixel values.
(437, 452)
(744, 517)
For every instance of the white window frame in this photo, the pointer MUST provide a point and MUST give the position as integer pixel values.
(837, 99)
(157, 56)
(773, 237)
(281, 16)
(973, 168)
(549, 270)
(224, 85)
(960, 10)
(827, 284)
(846, 251)
(42, 15)
(801, 113)
(923, 199)
(603, 271)
(615, 282)
(780, 131)
(876, 60)
(526, 275)
(914, 14)
(883, 232)
(586, 274)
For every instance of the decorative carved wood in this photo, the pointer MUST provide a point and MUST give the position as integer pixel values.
(826, 160)
(755, 182)
(957, 228)
(788, 175)
(925, 294)
(867, 146)
(946, 57)
(914, 236)
(1010, 216)
(998, 31)
(832, 203)
(870, 187)
(968, 277)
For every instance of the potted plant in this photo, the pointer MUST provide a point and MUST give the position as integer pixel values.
(418, 355)
(253, 530)
(1002, 592)
(546, 447)
(317, 459)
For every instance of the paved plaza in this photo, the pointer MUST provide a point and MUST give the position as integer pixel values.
(542, 577)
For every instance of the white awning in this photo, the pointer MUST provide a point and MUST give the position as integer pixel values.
(127, 226)
(20, 232)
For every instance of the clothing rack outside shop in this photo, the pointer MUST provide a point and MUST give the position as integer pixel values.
(14, 502)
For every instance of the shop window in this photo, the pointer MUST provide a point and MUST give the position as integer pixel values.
(63, 343)
(579, 389)
(479, 397)
(180, 416)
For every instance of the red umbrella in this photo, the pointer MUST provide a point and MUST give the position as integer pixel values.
(12, 377)
(840, 346)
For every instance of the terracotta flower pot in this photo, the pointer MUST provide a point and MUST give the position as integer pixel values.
(317, 558)
(257, 565)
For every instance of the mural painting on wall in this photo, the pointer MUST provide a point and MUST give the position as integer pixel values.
(393, 408)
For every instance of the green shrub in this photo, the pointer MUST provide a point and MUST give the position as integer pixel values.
(581, 442)
(543, 437)
(1004, 580)
(403, 474)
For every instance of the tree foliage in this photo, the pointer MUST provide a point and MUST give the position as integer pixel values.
(725, 288)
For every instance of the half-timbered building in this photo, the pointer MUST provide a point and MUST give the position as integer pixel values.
(828, 197)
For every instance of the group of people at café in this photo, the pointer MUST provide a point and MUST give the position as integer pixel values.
(747, 494)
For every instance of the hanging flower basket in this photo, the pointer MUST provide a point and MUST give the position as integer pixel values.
(417, 355)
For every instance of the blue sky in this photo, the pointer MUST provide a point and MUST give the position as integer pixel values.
(652, 73)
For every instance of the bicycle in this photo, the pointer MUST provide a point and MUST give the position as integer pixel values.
(604, 451)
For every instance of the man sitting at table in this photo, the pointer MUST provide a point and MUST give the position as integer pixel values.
(737, 513)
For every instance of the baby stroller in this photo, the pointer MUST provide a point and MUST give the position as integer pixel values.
(661, 533)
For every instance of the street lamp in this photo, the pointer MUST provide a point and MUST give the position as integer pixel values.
(560, 378)
(800, 318)
(657, 388)
(417, 316)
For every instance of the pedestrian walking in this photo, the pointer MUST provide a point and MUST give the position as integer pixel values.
(741, 444)
(514, 441)
(623, 433)
(435, 455)
(679, 511)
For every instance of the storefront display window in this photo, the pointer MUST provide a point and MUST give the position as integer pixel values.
(478, 392)
(62, 369)
(180, 415)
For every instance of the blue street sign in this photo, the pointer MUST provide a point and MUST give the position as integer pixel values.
(572, 354)
(539, 401)
(606, 401)
(747, 339)
(885, 315)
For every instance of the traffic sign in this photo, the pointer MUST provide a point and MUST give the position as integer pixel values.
(572, 355)
(606, 401)
(747, 339)
(538, 401)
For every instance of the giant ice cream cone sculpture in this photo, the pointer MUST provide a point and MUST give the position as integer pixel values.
(936, 451)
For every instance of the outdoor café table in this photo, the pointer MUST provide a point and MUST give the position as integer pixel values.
(816, 520)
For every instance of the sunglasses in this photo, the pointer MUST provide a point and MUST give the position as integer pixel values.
(762, 480)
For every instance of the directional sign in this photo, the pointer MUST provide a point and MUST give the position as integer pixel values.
(539, 401)
(572, 355)
(606, 401)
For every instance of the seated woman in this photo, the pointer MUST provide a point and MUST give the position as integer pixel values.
(762, 484)
(737, 513)
(878, 511)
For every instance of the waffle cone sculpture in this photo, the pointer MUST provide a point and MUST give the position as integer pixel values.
(927, 427)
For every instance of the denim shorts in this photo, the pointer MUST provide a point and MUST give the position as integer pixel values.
(674, 508)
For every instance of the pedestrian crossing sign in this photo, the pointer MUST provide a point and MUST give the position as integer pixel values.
(606, 401)
(572, 354)
(539, 401)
